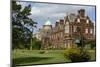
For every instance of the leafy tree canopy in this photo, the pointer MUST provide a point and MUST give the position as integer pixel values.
(22, 24)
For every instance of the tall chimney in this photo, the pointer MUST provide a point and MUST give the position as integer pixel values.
(81, 13)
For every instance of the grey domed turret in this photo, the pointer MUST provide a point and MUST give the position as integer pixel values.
(47, 22)
(47, 25)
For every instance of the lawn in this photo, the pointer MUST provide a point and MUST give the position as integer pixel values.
(24, 57)
(34, 57)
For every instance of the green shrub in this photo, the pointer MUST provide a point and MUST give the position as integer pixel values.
(77, 55)
(42, 52)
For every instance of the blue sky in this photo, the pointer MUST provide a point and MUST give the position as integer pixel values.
(41, 11)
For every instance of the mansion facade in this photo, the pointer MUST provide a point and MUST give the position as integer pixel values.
(67, 31)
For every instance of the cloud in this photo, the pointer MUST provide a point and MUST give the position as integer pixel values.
(55, 10)
(41, 11)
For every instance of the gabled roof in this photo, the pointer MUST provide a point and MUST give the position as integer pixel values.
(71, 17)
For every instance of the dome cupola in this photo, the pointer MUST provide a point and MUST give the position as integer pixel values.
(47, 22)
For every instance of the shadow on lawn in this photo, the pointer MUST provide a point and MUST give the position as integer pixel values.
(26, 60)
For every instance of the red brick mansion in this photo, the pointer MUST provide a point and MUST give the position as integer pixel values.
(67, 31)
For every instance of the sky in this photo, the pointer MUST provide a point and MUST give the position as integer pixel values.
(41, 12)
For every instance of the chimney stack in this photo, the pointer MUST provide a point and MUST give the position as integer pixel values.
(81, 13)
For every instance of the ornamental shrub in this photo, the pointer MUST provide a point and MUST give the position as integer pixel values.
(77, 55)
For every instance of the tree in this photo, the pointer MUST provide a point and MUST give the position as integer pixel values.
(36, 44)
(81, 38)
(92, 43)
(22, 25)
(80, 44)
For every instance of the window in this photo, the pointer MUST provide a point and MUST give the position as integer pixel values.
(67, 28)
(61, 34)
(67, 22)
(91, 31)
(86, 30)
(75, 28)
(78, 20)
(65, 45)
(87, 21)
(55, 35)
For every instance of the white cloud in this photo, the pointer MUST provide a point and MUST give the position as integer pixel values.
(55, 10)
(56, 15)
(41, 11)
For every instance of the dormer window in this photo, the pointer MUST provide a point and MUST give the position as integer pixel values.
(87, 21)
(78, 20)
